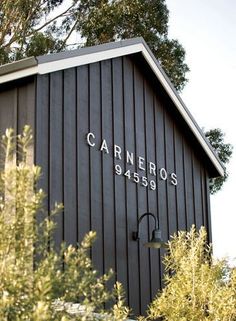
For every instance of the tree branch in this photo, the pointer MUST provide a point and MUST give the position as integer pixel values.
(22, 23)
(68, 36)
(53, 19)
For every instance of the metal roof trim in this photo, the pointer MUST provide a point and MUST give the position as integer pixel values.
(18, 65)
(59, 61)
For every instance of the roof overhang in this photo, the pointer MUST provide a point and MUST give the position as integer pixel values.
(54, 62)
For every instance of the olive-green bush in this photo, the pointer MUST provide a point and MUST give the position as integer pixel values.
(38, 283)
(197, 287)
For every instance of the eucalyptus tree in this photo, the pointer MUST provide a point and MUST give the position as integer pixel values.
(36, 27)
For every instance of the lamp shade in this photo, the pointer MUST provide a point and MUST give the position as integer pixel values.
(156, 241)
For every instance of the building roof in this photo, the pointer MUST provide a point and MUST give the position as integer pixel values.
(59, 61)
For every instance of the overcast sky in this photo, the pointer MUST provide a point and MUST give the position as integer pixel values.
(207, 31)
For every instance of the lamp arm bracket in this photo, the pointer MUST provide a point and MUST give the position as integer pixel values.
(135, 235)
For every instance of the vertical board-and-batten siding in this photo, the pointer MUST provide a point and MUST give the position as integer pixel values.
(17, 105)
(114, 100)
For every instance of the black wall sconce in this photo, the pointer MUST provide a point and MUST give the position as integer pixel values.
(156, 240)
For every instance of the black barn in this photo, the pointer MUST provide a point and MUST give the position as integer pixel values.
(114, 140)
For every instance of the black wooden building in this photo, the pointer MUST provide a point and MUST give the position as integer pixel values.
(114, 140)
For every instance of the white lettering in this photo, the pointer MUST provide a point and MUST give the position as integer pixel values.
(173, 179)
(152, 168)
(104, 146)
(117, 151)
(129, 158)
(163, 174)
(89, 135)
(140, 163)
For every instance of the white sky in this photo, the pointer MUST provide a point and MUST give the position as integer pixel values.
(207, 31)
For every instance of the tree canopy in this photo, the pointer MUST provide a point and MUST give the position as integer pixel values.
(37, 27)
(224, 152)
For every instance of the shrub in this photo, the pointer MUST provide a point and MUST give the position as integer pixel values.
(36, 282)
(197, 287)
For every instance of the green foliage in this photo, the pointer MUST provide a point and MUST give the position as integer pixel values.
(224, 152)
(41, 289)
(106, 21)
(34, 27)
(197, 288)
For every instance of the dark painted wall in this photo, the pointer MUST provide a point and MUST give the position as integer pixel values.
(17, 106)
(113, 100)
(117, 101)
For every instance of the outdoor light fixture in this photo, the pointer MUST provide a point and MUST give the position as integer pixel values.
(156, 240)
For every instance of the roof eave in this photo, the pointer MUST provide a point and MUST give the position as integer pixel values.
(64, 60)
(176, 99)
(18, 65)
